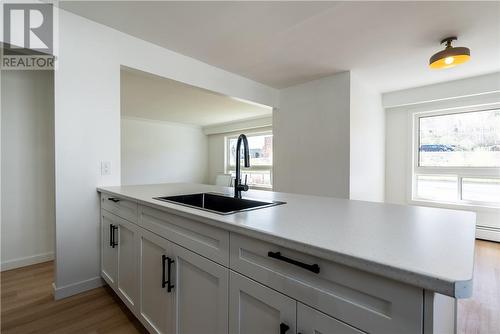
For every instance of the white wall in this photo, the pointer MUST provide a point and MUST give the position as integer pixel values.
(87, 129)
(161, 152)
(476, 91)
(311, 138)
(367, 142)
(216, 149)
(27, 160)
(397, 156)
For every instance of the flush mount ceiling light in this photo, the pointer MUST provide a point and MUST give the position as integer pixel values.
(450, 56)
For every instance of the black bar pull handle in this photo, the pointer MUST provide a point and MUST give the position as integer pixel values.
(170, 286)
(284, 328)
(114, 199)
(114, 243)
(163, 281)
(110, 235)
(311, 267)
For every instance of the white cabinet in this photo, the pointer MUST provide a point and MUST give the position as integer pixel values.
(156, 303)
(255, 309)
(127, 284)
(120, 207)
(211, 242)
(119, 257)
(366, 301)
(310, 321)
(200, 294)
(181, 292)
(109, 252)
(181, 276)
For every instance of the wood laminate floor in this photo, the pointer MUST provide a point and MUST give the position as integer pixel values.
(481, 313)
(27, 304)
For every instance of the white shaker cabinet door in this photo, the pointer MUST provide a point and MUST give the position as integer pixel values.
(127, 242)
(200, 294)
(156, 302)
(109, 251)
(310, 321)
(257, 309)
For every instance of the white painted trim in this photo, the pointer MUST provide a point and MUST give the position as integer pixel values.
(252, 103)
(78, 287)
(488, 233)
(472, 86)
(487, 100)
(157, 121)
(453, 206)
(460, 172)
(26, 261)
(240, 125)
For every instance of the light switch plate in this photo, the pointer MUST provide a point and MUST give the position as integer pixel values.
(105, 167)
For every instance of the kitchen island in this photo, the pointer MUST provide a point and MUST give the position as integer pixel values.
(381, 268)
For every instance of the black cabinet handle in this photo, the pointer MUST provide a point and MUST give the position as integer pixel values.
(113, 240)
(166, 282)
(113, 199)
(284, 328)
(110, 235)
(311, 267)
(170, 286)
(163, 281)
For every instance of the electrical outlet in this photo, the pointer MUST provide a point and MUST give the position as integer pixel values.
(105, 167)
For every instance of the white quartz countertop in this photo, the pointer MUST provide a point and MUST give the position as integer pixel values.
(426, 247)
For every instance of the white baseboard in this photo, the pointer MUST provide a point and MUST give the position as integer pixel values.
(488, 233)
(76, 288)
(26, 261)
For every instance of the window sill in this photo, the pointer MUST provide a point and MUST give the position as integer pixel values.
(454, 206)
(260, 188)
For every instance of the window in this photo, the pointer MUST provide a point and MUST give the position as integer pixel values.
(260, 173)
(457, 157)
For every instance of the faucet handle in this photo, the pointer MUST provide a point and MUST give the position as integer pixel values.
(243, 187)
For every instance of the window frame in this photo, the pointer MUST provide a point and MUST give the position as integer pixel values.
(228, 168)
(459, 172)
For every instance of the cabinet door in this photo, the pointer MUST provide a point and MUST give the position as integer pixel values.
(256, 309)
(156, 302)
(109, 253)
(200, 294)
(310, 321)
(128, 261)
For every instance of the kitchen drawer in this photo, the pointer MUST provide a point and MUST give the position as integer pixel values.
(121, 207)
(366, 301)
(201, 238)
(310, 321)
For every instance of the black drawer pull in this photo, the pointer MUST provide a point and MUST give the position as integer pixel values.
(163, 281)
(284, 328)
(311, 267)
(170, 286)
(114, 243)
(113, 199)
(166, 282)
(110, 235)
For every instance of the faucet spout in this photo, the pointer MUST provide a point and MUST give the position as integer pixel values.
(238, 187)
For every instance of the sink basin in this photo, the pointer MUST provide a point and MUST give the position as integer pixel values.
(217, 203)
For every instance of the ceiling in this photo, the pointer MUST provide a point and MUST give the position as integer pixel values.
(285, 43)
(148, 96)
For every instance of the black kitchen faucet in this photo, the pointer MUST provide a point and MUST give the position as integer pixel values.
(238, 187)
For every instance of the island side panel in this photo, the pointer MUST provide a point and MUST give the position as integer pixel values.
(440, 313)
